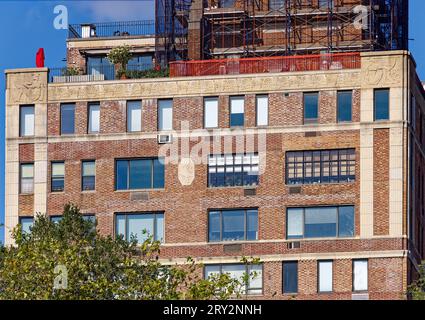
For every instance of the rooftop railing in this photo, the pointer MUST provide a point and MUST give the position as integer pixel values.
(335, 61)
(112, 29)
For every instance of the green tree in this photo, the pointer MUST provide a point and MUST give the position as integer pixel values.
(71, 260)
(417, 289)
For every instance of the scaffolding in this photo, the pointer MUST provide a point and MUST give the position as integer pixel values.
(217, 29)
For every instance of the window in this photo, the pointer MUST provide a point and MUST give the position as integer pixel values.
(325, 276)
(325, 166)
(211, 112)
(134, 116)
(360, 275)
(311, 107)
(140, 174)
(233, 225)
(233, 170)
(94, 118)
(226, 3)
(67, 118)
(26, 115)
(27, 178)
(320, 222)
(140, 226)
(87, 217)
(26, 224)
(237, 110)
(262, 110)
(88, 175)
(344, 101)
(165, 117)
(382, 104)
(58, 176)
(97, 65)
(239, 271)
(277, 4)
(290, 277)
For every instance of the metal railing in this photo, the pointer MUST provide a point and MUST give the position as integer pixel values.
(335, 61)
(112, 29)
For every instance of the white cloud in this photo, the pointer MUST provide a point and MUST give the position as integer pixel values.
(105, 11)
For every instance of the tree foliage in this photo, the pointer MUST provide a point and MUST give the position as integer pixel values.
(417, 290)
(99, 267)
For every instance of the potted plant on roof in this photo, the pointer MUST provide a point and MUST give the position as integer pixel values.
(120, 56)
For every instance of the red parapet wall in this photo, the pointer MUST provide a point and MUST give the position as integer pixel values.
(336, 61)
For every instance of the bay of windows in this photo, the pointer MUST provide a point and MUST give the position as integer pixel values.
(320, 222)
(233, 225)
(140, 174)
(140, 226)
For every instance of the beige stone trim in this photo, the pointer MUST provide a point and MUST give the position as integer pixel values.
(40, 178)
(366, 183)
(396, 182)
(12, 191)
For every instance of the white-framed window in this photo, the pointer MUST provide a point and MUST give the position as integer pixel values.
(165, 114)
(360, 275)
(325, 273)
(262, 103)
(211, 112)
(27, 178)
(26, 115)
(237, 111)
(94, 118)
(134, 116)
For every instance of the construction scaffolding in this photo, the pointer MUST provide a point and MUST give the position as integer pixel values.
(217, 29)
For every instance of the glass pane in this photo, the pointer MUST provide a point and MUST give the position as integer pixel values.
(262, 110)
(158, 173)
(67, 118)
(255, 284)
(165, 116)
(211, 112)
(27, 185)
(311, 106)
(320, 222)
(58, 184)
(344, 106)
(137, 224)
(120, 225)
(94, 118)
(360, 275)
(325, 276)
(26, 224)
(27, 121)
(346, 222)
(212, 270)
(382, 102)
(159, 232)
(56, 219)
(134, 116)
(233, 225)
(290, 277)
(237, 109)
(252, 225)
(295, 223)
(89, 183)
(236, 271)
(122, 175)
(58, 169)
(27, 170)
(89, 168)
(214, 226)
(140, 174)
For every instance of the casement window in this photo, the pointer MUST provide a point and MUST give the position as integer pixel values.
(134, 174)
(26, 121)
(239, 272)
(344, 106)
(311, 107)
(322, 166)
(290, 277)
(27, 178)
(94, 118)
(262, 106)
(320, 222)
(67, 118)
(140, 226)
(211, 113)
(360, 275)
(237, 111)
(382, 104)
(233, 225)
(88, 175)
(325, 276)
(232, 170)
(58, 176)
(134, 116)
(26, 224)
(165, 114)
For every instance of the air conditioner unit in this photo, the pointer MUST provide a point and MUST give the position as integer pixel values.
(294, 245)
(165, 138)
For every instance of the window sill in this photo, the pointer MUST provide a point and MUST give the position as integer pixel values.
(233, 187)
(320, 183)
(322, 239)
(88, 191)
(26, 194)
(232, 242)
(139, 190)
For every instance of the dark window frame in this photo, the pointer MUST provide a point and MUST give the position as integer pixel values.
(242, 97)
(53, 178)
(20, 177)
(284, 291)
(21, 135)
(221, 224)
(338, 106)
(318, 276)
(256, 110)
(352, 276)
(311, 120)
(375, 109)
(155, 224)
(60, 120)
(26, 218)
(158, 108)
(204, 118)
(127, 116)
(89, 105)
(83, 176)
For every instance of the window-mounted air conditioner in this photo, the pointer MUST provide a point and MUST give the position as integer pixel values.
(165, 138)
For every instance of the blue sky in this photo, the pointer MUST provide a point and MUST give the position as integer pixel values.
(28, 25)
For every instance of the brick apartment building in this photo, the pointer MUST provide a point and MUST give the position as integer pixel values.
(329, 196)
